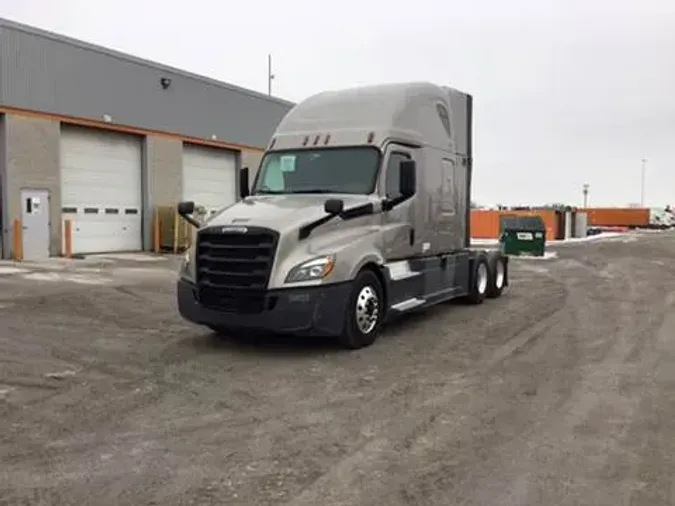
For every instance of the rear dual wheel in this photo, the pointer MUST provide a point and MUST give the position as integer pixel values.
(487, 279)
(479, 280)
(497, 279)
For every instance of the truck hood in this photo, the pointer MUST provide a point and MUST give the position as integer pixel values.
(281, 212)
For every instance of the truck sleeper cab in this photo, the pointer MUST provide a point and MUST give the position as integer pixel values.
(359, 212)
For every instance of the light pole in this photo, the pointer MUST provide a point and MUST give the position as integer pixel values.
(270, 75)
(643, 177)
(585, 190)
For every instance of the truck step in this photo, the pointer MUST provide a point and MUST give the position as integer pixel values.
(400, 270)
(408, 304)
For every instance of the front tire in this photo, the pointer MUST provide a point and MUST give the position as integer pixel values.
(365, 312)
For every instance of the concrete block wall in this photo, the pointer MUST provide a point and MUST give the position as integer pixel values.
(163, 178)
(31, 156)
(3, 162)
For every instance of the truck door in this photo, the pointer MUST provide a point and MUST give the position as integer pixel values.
(400, 237)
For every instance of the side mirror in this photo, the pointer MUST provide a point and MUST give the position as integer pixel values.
(244, 190)
(407, 178)
(185, 208)
(334, 206)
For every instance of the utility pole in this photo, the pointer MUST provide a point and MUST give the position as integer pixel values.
(270, 75)
(586, 187)
(642, 182)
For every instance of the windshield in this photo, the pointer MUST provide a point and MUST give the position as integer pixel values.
(328, 170)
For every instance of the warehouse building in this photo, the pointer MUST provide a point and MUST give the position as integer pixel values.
(100, 139)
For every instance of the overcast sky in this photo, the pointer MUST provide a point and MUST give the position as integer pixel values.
(566, 91)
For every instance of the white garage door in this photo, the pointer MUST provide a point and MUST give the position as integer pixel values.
(101, 189)
(209, 177)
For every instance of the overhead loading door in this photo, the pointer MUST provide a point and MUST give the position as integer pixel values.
(209, 177)
(101, 189)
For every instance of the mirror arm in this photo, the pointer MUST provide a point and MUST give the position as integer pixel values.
(192, 221)
(388, 204)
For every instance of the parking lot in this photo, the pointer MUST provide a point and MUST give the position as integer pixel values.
(561, 392)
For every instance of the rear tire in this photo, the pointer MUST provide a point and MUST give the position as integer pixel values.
(497, 280)
(365, 311)
(480, 280)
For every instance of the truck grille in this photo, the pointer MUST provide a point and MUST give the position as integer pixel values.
(233, 269)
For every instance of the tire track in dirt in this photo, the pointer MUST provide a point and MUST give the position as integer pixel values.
(418, 431)
(431, 434)
(496, 398)
(568, 435)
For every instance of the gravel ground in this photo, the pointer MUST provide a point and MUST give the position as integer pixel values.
(562, 392)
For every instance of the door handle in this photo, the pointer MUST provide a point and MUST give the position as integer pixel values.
(411, 236)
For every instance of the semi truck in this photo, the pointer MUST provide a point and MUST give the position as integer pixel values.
(359, 212)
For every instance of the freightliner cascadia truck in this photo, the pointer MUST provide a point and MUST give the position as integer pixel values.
(359, 212)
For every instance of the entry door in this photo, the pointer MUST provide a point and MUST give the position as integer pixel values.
(35, 220)
(400, 239)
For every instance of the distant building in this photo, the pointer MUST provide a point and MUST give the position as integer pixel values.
(101, 138)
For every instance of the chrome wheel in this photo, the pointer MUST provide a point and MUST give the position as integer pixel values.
(481, 278)
(499, 274)
(367, 309)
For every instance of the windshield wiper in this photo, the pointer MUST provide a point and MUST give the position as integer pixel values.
(293, 192)
(268, 192)
(312, 190)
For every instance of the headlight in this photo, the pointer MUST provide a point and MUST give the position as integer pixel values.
(187, 266)
(317, 268)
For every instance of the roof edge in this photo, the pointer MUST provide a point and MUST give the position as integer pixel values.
(15, 25)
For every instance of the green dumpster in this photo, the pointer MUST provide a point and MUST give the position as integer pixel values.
(523, 235)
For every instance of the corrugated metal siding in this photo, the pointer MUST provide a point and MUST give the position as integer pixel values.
(41, 72)
(2, 83)
(4, 220)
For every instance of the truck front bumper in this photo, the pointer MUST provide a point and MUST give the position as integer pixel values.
(312, 311)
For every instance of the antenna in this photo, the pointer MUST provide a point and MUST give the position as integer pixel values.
(643, 174)
(270, 75)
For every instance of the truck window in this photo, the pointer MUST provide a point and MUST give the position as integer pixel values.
(393, 171)
(273, 178)
(328, 170)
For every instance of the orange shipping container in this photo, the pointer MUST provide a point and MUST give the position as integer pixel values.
(617, 217)
(486, 224)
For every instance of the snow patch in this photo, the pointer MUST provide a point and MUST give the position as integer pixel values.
(69, 278)
(596, 237)
(11, 270)
(143, 273)
(548, 255)
(61, 374)
(135, 257)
